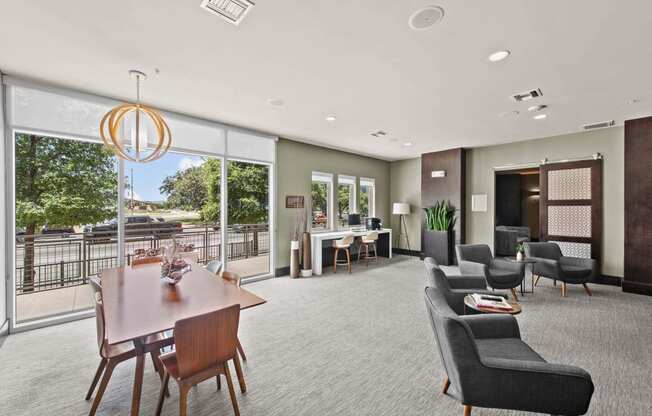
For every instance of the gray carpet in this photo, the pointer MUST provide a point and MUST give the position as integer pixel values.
(343, 344)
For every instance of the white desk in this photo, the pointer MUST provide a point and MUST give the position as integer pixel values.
(319, 238)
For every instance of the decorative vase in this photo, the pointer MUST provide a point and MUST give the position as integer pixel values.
(294, 259)
(306, 269)
(519, 256)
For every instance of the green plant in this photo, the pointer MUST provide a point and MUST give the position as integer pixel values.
(520, 248)
(440, 217)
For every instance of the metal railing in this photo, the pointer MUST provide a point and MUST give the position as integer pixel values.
(69, 259)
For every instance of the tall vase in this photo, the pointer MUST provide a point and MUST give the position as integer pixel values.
(294, 259)
(306, 269)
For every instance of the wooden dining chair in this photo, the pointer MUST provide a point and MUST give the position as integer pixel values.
(112, 355)
(204, 345)
(214, 266)
(235, 278)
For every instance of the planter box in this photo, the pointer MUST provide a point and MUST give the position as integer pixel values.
(439, 245)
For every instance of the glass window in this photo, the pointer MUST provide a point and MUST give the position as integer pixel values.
(345, 199)
(367, 197)
(321, 195)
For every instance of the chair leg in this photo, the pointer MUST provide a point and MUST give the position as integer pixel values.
(234, 402)
(110, 365)
(514, 294)
(162, 393)
(218, 381)
(98, 374)
(238, 373)
(183, 400)
(159, 367)
(563, 289)
(241, 351)
(337, 250)
(467, 410)
(447, 384)
(554, 282)
(536, 282)
(588, 291)
(348, 259)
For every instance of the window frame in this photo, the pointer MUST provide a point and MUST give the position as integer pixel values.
(327, 178)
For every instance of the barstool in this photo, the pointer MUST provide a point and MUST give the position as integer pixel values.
(369, 240)
(343, 244)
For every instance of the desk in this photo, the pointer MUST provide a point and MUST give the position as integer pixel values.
(319, 238)
(137, 303)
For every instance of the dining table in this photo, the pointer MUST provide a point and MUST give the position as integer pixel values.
(138, 303)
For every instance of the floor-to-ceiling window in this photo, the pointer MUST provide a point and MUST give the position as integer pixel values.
(345, 199)
(367, 197)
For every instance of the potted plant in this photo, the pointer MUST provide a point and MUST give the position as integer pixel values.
(439, 235)
(520, 252)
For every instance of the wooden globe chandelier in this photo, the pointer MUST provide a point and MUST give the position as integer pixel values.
(135, 148)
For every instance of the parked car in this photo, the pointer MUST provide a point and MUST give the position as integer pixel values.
(59, 231)
(135, 226)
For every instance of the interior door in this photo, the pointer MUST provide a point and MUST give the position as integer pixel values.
(571, 207)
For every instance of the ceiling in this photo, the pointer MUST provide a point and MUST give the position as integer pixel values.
(357, 60)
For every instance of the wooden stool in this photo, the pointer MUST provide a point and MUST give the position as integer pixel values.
(343, 244)
(368, 240)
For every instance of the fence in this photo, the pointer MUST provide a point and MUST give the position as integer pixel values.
(69, 259)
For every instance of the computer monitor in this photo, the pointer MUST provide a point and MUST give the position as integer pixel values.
(354, 219)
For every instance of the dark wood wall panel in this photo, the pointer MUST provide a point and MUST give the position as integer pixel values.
(508, 199)
(638, 206)
(451, 188)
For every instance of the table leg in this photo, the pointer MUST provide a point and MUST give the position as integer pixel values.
(138, 379)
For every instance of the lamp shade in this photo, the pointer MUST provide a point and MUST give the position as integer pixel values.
(401, 208)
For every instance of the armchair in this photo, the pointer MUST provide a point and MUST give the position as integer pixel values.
(454, 288)
(476, 259)
(507, 237)
(553, 265)
(488, 365)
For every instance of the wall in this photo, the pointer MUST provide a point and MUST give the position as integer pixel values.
(530, 204)
(609, 142)
(3, 282)
(405, 186)
(295, 163)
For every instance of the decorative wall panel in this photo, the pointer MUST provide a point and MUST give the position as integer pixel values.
(570, 249)
(569, 184)
(569, 220)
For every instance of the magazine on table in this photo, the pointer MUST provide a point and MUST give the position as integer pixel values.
(492, 302)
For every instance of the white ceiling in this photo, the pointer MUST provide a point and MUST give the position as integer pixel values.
(355, 59)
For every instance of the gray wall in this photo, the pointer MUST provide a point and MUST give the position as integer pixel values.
(405, 186)
(3, 282)
(609, 142)
(295, 163)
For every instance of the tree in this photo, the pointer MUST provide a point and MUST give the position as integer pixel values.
(343, 202)
(61, 183)
(186, 189)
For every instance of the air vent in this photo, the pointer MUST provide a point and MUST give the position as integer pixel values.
(233, 11)
(600, 125)
(379, 133)
(528, 95)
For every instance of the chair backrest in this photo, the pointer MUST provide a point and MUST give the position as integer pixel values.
(477, 253)
(99, 322)
(457, 348)
(371, 236)
(96, 285)
(206, 340)
(137, 261)
(543, 250)
(435, 276)
(214, 266)
(232, 277)
(347, 240)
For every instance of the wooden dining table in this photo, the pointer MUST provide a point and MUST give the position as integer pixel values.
(137, 303)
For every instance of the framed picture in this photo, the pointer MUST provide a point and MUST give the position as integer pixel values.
(294, 201)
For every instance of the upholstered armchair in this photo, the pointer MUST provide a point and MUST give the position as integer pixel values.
(454, 288)
(476, 259)
(488, 365)
(553, 265)
(508, 236)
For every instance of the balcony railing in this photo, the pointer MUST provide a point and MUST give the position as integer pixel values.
(65, 260)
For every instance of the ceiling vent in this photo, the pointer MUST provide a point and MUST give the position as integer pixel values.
(233, 11)
(528, 95)
(600, 125)
(379, 133)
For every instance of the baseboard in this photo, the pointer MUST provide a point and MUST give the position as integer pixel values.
(282, 271)
(405, 252)
(636, 287)
(606, 279)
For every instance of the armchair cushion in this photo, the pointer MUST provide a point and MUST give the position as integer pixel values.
(507, 348)
(467, 282)
(492, 326)
(473, 268)
(503, 276)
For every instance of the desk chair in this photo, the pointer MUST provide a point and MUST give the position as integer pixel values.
(345, 245)
(368, 241)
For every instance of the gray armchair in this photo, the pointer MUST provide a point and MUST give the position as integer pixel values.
(476, 259)
(454, 288)
(553, 265)
(508, 236)
(488, 365)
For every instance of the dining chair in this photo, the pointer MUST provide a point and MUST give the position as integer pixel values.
(112, 355)
(235, 278)
(214, 266)
(369, 241)
(137, 261)
(204, 345)
(343, 244)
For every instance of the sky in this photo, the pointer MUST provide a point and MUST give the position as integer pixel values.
(149, 176)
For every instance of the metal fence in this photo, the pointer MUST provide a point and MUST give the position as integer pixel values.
(69, 259)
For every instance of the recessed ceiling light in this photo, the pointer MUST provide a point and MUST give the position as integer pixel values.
(424, 18)
(407, 144)
(276, 102)
(331, 118)
(499, 56)
(540, 116)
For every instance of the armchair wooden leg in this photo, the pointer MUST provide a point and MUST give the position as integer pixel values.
(554, 282)
(587, 289)
(467, 410)
(536, 282)
(447, 384)
(563, 289)
(348, 259)
(337, 250)
(514, 294)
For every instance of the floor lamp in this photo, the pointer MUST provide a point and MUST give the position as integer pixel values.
(402, 209)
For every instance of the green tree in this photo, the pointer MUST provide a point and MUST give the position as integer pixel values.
(186, 189)
(61, 183)
(343, 202)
